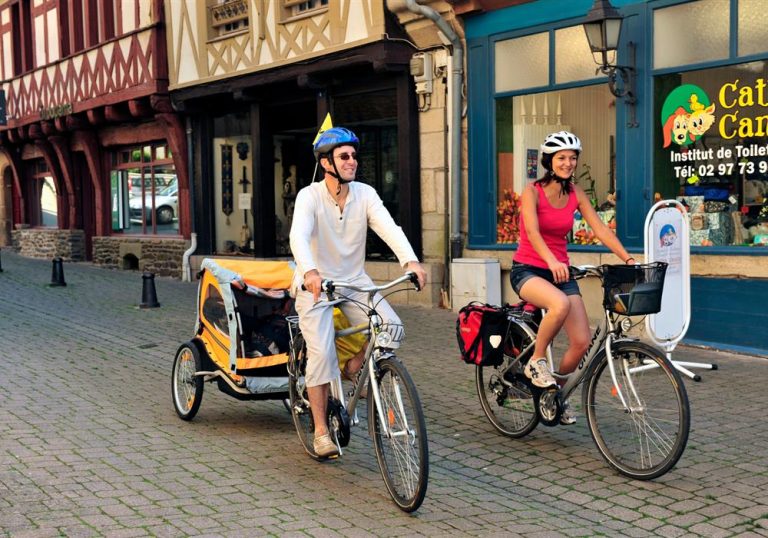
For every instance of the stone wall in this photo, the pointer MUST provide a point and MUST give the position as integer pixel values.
(68, 245)
(383, 272)
(160, 256)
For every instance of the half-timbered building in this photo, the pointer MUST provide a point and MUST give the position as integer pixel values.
(256, 79)
(92, 156)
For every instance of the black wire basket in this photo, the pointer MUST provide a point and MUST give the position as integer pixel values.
(633, 290)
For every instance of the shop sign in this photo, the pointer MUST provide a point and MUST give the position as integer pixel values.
(736, 117)
(57, 111)
(666, 242)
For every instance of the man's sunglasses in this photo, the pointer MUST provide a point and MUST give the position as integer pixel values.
(347, 156)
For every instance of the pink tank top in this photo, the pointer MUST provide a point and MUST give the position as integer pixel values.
(554, 224)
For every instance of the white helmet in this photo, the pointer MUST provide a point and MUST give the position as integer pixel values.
(559, 141)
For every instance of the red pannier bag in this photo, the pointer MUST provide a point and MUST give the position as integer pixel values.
(480, 330)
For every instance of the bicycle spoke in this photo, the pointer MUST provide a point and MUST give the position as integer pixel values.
(187, 389)
(645, 440)
(505, 399)
(400, 442)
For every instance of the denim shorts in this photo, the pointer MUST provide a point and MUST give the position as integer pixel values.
(521, 273)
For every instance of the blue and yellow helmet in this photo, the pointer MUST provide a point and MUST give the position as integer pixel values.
(333, 138)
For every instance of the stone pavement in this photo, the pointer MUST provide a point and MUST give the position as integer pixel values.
(90, 444)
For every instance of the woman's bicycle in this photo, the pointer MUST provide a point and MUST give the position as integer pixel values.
(635, 402)
(395, 417)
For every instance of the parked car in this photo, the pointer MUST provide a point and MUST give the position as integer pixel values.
(161, 181)
(166, 205)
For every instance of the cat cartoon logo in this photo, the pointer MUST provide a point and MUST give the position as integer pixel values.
(686, 115)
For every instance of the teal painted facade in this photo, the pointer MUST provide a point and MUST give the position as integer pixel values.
(728, 313)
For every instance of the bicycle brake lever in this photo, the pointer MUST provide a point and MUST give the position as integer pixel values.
(414, 280)
(328, 287)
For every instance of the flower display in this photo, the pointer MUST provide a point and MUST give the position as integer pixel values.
(507, 217)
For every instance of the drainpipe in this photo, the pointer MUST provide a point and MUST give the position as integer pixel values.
(457, 70)
(186, 270)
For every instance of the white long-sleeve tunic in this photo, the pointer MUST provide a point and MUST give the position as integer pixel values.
(333, 241)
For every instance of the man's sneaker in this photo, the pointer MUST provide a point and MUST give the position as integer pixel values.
(537, 370)
(325, 447)
(568, 417)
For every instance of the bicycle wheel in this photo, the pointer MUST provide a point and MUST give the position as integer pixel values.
(507, 401)
(186, 387)
(401, 444)
(646, 441)
(297, 394)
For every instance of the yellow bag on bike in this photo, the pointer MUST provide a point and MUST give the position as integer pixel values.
(346, 346)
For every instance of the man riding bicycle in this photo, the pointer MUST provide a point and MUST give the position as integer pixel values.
(330, 224)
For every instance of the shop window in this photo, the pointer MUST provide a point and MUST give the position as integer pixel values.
(144, 191)
(753, 19)
(675, 28)
(711, 151)
(524, 115)
(372, 116)
(378, 166)
(48, 203)
(523, 121)
(231, 206)
(227, 17)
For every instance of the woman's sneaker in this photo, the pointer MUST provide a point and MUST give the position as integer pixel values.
(537, 370)
(568, 416)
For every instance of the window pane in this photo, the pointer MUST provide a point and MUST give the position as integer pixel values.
(522, 122)
(48, 205)
(514, 68)
(372, 116)
(675, 29)
(120, 189)
(710, 151)
(145, 200)
(753, 20)
(573, 57)
(166, 200)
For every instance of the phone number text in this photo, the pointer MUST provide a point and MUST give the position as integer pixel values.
(722, 169)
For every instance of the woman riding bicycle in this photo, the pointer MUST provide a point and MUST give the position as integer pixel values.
(540, 271)
(330, 224)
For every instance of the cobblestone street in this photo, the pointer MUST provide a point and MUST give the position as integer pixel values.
(90, 444)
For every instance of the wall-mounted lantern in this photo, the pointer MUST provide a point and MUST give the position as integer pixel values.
(603, 28)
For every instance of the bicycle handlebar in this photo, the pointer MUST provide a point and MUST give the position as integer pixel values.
(329, 286)
(581, 271)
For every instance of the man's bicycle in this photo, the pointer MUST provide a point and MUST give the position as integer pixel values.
(395, 417)
(635, 403)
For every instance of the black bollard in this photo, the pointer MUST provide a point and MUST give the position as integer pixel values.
(148, 293)
(57, 274)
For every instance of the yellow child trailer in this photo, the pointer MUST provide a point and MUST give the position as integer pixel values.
(241, 337)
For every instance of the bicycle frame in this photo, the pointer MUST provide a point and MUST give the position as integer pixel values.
(373, 353)
(603, 338)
